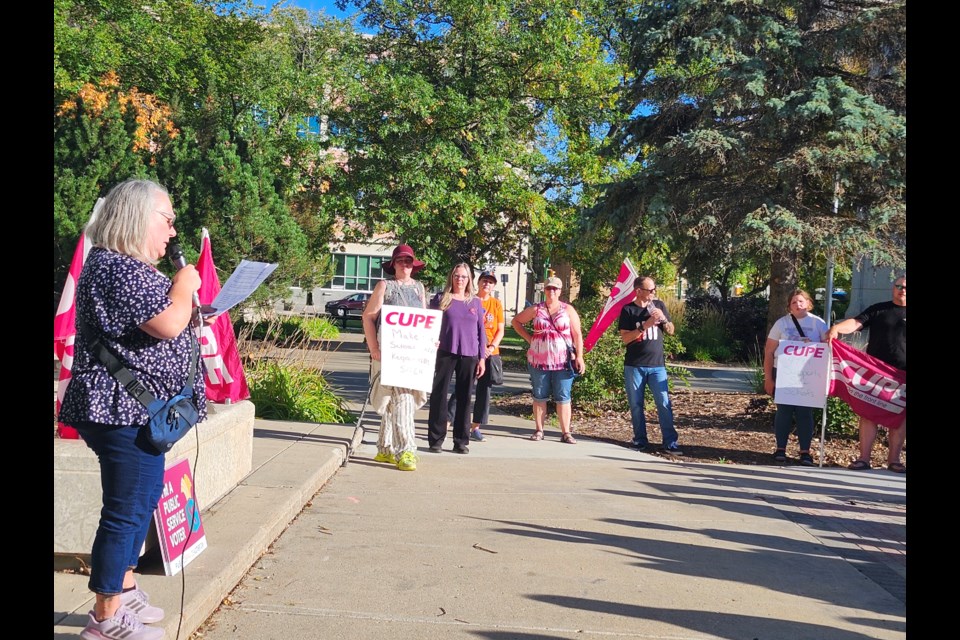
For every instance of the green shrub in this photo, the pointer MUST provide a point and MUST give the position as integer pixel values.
(757, 375)
(286, 329)
(842, 422)
(319, 329)
(702, 354)
(602, 384)
(284, 391)
(723, 330)
(708, 340)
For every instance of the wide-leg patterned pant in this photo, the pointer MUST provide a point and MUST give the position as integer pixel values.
(397, 432)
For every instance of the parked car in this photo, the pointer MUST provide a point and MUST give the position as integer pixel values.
(350, 306)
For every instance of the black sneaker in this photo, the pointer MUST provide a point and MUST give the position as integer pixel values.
(806, 460)
(780, 455)
(436, 449)
(638, 447)
(461, 449)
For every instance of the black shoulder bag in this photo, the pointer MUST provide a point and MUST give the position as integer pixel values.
(797, 325)
(170, 419)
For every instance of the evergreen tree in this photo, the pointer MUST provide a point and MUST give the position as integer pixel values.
(746, 120)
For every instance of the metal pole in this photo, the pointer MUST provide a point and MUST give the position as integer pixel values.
(520, 266)
(828, 308)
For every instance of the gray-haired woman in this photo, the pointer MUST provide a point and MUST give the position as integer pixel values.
(144, 319)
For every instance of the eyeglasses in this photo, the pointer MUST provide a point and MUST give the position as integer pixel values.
(647, 290)
(900, 287)
(403, 260)
(551, 288)
(170, 217)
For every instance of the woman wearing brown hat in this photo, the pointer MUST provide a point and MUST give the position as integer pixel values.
(396, 443)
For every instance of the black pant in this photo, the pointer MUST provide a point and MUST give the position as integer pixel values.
(465, 368)
(481, 403)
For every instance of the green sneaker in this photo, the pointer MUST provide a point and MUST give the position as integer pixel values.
(389, 458)
(407, 461)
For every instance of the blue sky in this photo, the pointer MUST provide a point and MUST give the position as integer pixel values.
(327, 6)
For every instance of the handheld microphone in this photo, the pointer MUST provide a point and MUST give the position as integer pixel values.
(175, 253)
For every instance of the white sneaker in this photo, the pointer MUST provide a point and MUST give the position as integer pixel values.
(138, 602)
(124, 625)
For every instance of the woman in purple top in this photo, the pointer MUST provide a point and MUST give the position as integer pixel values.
(462, 349)
(144, 319)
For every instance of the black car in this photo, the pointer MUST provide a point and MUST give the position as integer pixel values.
(349, 306)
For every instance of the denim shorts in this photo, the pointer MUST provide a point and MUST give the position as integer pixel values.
(543, 382)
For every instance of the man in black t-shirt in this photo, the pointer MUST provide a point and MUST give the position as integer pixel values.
(887, 322)
(642, 326)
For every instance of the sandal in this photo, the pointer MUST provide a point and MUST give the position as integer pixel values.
(859, 465)
(897, 467)
(568, 438)
(537, 435)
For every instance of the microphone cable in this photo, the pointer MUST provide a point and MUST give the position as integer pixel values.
(175, 254)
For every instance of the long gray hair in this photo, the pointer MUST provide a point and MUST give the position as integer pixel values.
(120, 221)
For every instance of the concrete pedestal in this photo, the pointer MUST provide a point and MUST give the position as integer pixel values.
(226, 457)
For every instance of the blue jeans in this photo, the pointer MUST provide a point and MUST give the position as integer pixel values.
(131, 476)
(635, 379)
(783, 425)
(559, 384)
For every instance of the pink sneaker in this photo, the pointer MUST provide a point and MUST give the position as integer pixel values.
(138, 602)
(124, 625)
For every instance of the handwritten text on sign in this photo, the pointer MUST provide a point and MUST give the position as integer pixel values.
(178, 519)
(803, 373)
(408, 346)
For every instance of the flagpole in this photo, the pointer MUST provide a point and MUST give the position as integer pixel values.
(828, 310)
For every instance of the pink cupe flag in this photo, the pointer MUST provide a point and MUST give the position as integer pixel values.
(621, 294)
(64, 324)
(218, 344)
(874, 389)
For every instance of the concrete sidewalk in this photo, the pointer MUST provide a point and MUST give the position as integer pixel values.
(529, 540)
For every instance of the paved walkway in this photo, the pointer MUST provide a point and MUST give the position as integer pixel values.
(529, 540)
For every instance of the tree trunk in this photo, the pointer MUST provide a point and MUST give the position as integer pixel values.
(783, 279)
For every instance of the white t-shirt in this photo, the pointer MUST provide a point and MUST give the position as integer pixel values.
(814, 330)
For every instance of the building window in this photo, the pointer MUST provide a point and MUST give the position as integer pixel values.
(356, 272)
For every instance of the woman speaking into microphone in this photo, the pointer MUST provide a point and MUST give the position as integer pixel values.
(143, 318)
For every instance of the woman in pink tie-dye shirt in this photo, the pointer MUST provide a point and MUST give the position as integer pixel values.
(556, 330)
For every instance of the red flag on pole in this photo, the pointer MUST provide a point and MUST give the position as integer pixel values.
(223, 373)
(874, 389)
(64, 323)
(621, 294)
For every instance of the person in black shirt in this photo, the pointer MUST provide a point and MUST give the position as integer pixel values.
(887, 322)
(643, 323)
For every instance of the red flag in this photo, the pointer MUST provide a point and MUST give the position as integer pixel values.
(64, 323)
(223, 372)
(621, 294)
(874, 389)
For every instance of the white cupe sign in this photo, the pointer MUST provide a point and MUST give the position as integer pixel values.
(408, 346)
(803, 373)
